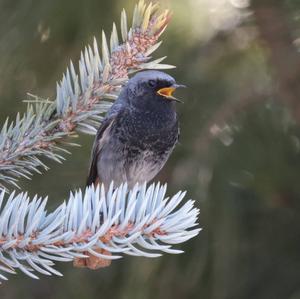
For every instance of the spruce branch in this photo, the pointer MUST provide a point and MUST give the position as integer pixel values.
(81, 98)
(139, 222)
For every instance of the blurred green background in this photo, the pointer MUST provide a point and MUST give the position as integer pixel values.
(239, 156)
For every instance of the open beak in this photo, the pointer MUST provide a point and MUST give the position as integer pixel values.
(167, 92)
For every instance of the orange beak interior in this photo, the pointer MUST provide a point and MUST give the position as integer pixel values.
(166, 91)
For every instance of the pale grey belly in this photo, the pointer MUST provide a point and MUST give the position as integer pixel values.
(118, 166)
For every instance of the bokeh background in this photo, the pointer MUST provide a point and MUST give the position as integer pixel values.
(239, 156)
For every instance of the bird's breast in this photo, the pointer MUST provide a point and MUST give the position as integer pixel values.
(150, 130)
(138, 147)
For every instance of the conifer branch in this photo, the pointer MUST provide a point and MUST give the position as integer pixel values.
(80, 97)
(140, 222)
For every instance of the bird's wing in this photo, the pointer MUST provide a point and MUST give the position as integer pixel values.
(102, 137)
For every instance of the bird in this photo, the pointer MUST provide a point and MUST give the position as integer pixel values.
(135, 139)
(138, 133)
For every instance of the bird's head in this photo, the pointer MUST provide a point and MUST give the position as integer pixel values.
(152, 88)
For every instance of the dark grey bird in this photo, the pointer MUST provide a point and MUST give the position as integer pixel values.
(138, 133)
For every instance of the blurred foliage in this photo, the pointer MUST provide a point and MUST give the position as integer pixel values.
(238, 157)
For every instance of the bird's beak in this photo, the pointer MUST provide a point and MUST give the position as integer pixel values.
(167, 92)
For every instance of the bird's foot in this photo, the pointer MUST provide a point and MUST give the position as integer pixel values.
(92, 262)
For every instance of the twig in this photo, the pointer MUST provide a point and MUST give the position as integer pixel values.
(142, 222)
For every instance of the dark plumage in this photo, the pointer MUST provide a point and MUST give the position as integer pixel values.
(139, 132)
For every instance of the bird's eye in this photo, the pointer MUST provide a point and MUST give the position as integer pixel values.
(152, 83)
